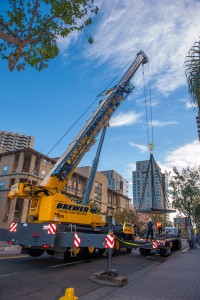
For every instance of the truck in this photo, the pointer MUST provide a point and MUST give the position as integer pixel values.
(57, 224)
(162, 244)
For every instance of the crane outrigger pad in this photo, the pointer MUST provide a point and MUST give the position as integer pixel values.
(155, 211)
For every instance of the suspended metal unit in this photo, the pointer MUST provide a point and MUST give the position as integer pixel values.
(152, 173)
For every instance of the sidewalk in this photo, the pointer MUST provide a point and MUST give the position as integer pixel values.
(176, 278)
(6, 249)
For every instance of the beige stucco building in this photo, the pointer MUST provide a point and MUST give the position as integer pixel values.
(27, 164)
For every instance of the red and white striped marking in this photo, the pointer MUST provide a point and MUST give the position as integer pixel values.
(110, 241)
(155, 246)
(13, 227)
(77, 240)
(52, 229)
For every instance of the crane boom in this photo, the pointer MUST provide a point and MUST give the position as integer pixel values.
(57, 178)
(68, 162)
(48, 202)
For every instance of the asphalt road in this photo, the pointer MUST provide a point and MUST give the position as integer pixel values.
(24, 278)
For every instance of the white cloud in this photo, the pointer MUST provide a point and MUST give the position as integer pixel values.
(162, 123)
(152, 103)
(165, 30)
(124, 119)
(64, 43)
(142, 148)
(128, 172)
(190, 105)
(187, 155)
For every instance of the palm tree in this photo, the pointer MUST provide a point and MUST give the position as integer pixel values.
(192, 70)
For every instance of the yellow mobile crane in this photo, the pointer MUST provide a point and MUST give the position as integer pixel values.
(50, 206)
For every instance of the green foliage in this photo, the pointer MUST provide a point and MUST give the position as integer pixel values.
(125, 216)
(90, 40)
(185, 192)
(29, 29)
(94, 207)
(192, 69)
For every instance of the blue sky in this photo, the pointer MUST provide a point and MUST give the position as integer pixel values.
(46, 104)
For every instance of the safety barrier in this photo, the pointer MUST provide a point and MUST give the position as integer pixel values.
(133, 244)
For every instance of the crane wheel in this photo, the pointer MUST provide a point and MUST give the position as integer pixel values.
(91, 251)
(77, 251)
(128, 250)
(36, 252)
(145, 252)
(88, 252)
(72, 253)
(100, 251)
(50, 252)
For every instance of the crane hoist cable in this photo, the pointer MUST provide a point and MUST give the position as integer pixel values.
(150, 144)
(150, 168)
(152, 134)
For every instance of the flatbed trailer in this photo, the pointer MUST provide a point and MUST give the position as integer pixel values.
(163, 244)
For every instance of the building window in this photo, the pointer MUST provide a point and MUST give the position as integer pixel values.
(43, 174)
(18, 210)
(44, 163)
(2, 185)
(5, 170)
(12, 181)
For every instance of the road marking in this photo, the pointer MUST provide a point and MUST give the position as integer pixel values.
(185, 250)
(12, 256)
(6, 275)
(67, 264)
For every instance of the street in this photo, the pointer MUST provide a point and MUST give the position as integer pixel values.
(24, 277)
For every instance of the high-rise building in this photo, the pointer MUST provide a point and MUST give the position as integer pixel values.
(116, 182)
(10, 141)
(149, 189)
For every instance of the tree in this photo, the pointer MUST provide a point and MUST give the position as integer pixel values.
(29, 29)
(125, 216)
(192, 70)
(185, 192)
(196, 215)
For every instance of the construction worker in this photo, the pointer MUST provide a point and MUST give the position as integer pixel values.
(136, 230)
(160, 227)
(150, 229)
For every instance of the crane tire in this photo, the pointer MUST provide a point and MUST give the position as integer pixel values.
(36, 252)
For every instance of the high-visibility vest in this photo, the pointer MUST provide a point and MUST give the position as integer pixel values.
(159, 224)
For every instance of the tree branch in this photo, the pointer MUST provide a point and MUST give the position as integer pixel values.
(33, 17)
(9, 39)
